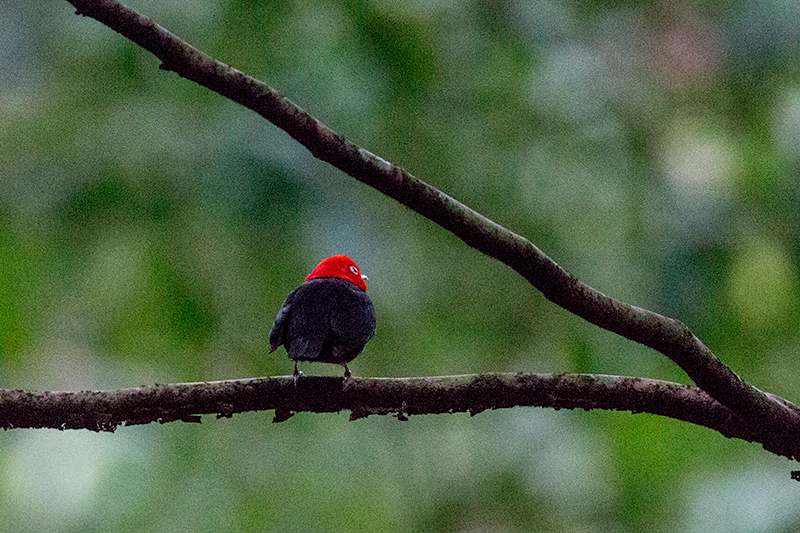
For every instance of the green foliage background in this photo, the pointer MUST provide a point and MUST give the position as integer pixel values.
(150, 229)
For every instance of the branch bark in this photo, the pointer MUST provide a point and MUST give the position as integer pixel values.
(776, 421)
(106, 410)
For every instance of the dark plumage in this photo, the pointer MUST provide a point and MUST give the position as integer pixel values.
(329, 318)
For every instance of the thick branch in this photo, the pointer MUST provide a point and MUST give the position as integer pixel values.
(106, 410)
(670, 337)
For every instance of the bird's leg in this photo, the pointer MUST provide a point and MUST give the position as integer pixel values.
(348, 377)
(296, 374)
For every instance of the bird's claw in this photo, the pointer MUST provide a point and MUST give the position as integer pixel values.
(296, 375)
(348, 379)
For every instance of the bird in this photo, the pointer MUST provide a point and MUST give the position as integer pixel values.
(329, 318)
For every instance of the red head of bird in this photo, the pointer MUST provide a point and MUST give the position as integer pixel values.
(340, 266)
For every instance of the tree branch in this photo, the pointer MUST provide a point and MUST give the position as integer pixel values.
(106, 410)
(776, 420)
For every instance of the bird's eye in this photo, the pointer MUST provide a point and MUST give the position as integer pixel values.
(354, 270)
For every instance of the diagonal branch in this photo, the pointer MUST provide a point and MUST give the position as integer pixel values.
(776, 418)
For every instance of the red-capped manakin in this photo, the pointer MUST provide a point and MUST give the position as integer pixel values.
(329, 318)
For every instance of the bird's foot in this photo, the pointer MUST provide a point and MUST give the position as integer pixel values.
(348, 379)
(296, 374)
